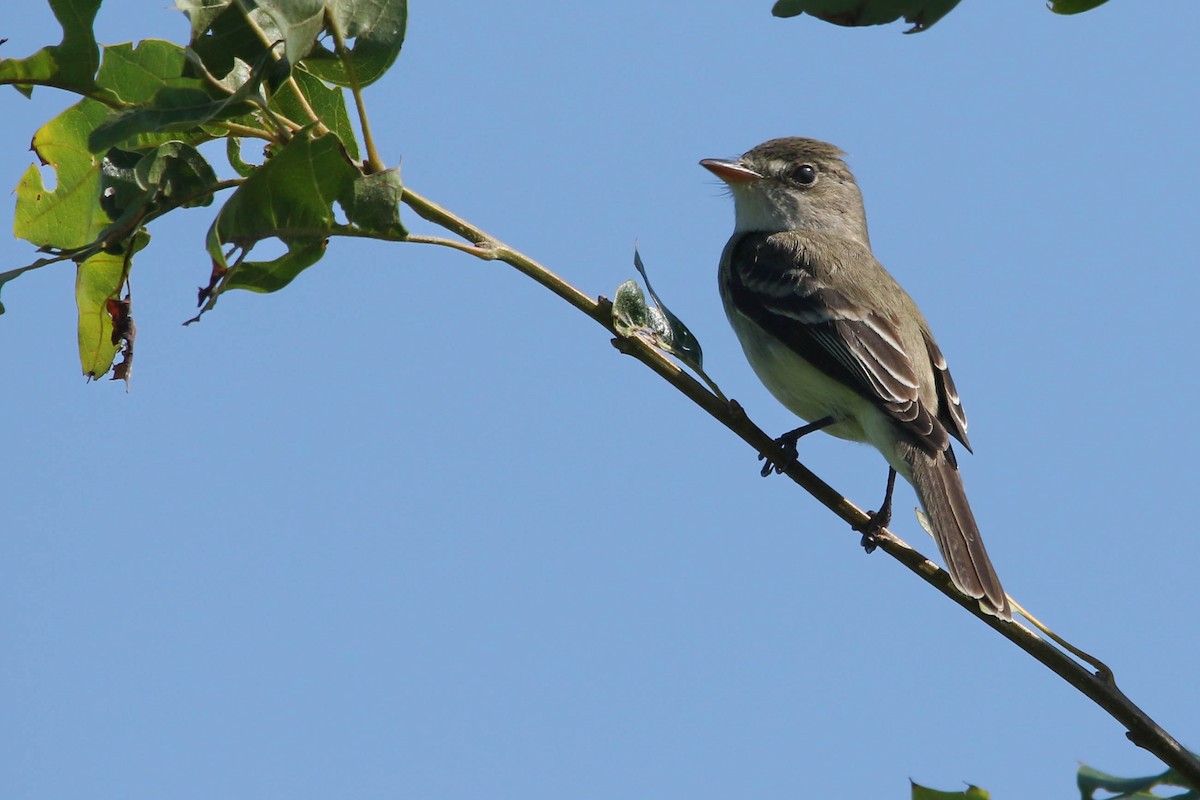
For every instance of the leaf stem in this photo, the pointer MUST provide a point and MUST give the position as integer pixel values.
(246, 131)
(374, 162)
(302, 99)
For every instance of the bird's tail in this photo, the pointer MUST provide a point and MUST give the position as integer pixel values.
(940, 490)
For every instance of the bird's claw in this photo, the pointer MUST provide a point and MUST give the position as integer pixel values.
(788, 445)
(878, 520)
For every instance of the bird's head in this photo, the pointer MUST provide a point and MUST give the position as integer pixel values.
(793, 184)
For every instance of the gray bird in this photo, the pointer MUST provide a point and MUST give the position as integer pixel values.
(837, 341)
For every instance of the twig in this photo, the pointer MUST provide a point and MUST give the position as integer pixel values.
(492, 249)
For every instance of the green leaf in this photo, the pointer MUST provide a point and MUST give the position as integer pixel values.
(674, 336)
(271, 276)
(97, 280)
(375, 203)
(70, 216)
(233, 153)
(1091, 780)
(176, 174)
(135, 73)
(1074, 6)
(137, 186)
(925, 793)
(70, 65)
(202, 13)
(291, 195)
(327, 102)
(853, 13)
(95, 198)
(291, 198)
(177, 109)
(140, 76)
(296, 23)
(154, 81)
(631, 315)
(172, 104)
(377, 29)
(222, 33)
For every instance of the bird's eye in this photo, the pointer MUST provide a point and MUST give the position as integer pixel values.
(805, 174)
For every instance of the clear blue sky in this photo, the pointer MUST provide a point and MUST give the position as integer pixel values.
(413, 529)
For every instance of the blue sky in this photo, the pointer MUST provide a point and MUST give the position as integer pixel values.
(412, 528)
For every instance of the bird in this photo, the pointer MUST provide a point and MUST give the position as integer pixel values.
(839, 343)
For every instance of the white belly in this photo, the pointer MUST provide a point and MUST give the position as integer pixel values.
(812, 395)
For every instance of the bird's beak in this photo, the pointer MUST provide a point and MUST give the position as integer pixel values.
(731, 172)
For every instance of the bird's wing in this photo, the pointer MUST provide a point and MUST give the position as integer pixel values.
(771, 283)
(950, 410)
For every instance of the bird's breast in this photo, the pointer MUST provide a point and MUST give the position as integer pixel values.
(802, 388)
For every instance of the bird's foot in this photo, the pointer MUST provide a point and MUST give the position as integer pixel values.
(878, 520)
(787, 443)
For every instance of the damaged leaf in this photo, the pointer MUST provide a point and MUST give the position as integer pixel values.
(123, 334)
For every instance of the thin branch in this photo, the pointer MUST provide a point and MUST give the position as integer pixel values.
(492, 249)
(1099, 687)
(477, 250)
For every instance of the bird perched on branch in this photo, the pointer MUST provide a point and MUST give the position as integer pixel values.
(840, 344)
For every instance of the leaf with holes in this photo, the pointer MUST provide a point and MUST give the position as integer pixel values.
(290, 198)
(70, 215)
(374, 33)
(70, 65)
(225, 32)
